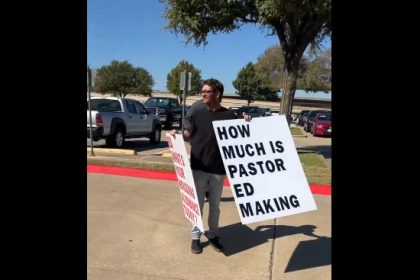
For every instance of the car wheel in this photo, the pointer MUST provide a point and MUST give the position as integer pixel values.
(117, 139)
(155, 136)
(168, 124)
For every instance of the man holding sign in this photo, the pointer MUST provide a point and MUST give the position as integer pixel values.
(206, 161)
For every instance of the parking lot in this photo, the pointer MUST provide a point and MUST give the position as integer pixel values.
(142, 146)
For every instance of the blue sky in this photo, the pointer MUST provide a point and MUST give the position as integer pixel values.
(133, 30)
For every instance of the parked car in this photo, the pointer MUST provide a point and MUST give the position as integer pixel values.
(303, 117)
(311, 115)
(294, 118)
(321, 124)
(234, 109)
(167, 109)
(253, 111)
(265, 112)
(115, 119)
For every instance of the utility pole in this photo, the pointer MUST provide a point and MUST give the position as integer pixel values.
(184, 85)
(89, 84)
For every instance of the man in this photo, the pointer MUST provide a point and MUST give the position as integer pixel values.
(206, 162)
(199, 104)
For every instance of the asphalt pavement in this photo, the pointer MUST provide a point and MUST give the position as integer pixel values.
(140, 150)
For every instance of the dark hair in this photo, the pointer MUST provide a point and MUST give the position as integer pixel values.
(216, 85)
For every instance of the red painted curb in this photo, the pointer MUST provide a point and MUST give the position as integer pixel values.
(132, 172)
(320, 189)
(171, 176)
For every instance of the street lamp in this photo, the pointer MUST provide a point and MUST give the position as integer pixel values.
(89, 84)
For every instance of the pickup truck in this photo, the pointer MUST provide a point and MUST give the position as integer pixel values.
(168, 110)
(115, 119)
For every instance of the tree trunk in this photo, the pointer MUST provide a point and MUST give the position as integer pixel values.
(289, 88)
(294, 40)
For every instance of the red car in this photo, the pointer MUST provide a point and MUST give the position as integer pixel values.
(322, 124)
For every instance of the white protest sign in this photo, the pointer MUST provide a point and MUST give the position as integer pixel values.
(263, 168)
(185, 180)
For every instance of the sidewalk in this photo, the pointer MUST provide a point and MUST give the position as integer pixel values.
(137, 230)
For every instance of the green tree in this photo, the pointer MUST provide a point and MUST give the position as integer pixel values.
(142, 82)
(317, 76)
(270, 68)
(268, 94)
(297, 24)
(314, 70)
(248, 84)
(121, 78)
(173, 79)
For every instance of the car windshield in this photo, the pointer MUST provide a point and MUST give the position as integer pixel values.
(324, 117)
(157, 102)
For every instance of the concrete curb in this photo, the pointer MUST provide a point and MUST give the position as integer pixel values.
(146, 160)
(113, 151)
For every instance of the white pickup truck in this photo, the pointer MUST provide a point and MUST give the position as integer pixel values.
(115, 119)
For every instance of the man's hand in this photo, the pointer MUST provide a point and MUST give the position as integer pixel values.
(187, 135)
(246, 117)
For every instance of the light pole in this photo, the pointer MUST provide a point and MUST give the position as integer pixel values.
(89, 84)
(185, 85)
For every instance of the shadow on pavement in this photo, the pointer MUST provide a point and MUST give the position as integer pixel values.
(237, 238)
(227, 199)
(324, 150)
(140, 145)
(310, 253)
(136, 144)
